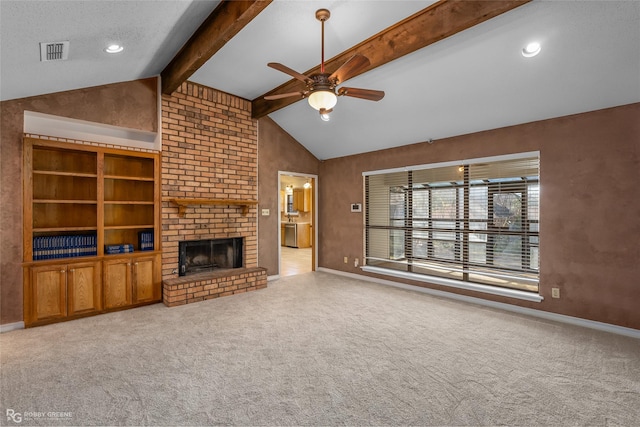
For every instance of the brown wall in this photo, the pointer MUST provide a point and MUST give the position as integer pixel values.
(590, 206)
(589, 194)
(277, 151)
(129, 104)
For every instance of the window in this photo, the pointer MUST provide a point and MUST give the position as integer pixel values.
(469, 221)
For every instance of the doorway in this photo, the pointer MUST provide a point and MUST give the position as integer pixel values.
(297, 221)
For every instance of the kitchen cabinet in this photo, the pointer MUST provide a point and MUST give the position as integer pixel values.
(302, 199)
(296, 235)
(304, 235)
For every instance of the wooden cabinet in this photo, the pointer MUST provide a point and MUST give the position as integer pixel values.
(304, 235)
(117, 283)
(131, 280)
(282, 200)
(302, 199)
(79, 199)
(54, 292)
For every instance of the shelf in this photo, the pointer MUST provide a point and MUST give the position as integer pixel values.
(129, 178)
(128, 227)
(65, 229)
(75, 202)
(184, 203)
(126, 202)
(137, 253)
(73, 174)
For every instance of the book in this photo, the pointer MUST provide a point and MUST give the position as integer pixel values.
(118, 249)
(145, 240)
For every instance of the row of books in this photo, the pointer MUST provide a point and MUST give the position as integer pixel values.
(51, 247)
(118, 249)
(145, 240)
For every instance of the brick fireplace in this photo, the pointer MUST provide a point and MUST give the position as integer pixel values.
(209, 143)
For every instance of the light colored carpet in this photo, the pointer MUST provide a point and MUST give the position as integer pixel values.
(320, 349)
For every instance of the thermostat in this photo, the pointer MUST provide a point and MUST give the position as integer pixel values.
(356, 207)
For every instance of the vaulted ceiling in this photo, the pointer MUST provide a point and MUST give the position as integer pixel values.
(447, 68)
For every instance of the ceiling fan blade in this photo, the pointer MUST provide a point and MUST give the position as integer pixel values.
(371, 95)
(289, 71)
(284, 95)
(355, 65)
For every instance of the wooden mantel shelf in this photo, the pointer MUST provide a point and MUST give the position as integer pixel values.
(184, 203)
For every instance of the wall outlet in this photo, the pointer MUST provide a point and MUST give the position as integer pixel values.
(356, 262)
(346, 260)
(555, 292)
(265, 212)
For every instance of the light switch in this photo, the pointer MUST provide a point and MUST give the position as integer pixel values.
(265, 212)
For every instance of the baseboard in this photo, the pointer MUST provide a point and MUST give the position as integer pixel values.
(592, 324)
(11, 327)
(274, 277)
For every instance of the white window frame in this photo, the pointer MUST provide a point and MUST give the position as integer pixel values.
(426, 278)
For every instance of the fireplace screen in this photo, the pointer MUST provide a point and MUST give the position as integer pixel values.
(198, 256)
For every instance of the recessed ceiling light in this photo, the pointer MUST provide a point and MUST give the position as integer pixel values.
(532, 49)
(114, 48)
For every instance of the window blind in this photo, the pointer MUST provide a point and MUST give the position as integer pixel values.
(469, 221)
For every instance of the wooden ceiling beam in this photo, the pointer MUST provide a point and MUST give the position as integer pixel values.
(227, 19)
(434, 23)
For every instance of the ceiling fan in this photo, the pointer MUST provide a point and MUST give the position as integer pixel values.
(321, 87)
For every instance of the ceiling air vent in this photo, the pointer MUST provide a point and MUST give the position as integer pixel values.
(54, 51)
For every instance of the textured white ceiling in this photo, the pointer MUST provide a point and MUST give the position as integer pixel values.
(151, 31)
(473, 81)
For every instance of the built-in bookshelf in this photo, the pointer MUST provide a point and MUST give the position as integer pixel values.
(64, 202)
(84, 205)
(129, 199)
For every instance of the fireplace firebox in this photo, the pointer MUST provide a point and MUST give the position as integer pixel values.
(199, 256)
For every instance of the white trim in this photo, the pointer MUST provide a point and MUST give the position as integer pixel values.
(82, 130)
(576, 321)
(487, 289)
(11, 327)
(455, 163)
(314, 225)
(274, 277)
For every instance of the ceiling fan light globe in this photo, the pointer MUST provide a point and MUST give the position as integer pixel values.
(323, 99)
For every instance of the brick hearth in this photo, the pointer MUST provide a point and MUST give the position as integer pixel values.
(204, 286)
(209, 151)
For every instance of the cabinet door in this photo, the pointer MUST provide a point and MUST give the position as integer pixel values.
(298, 199)
(144, 279)
(282, 201)
(117, 283)
(303, 236)
(83, 288)
(307, 205)
(48, 292)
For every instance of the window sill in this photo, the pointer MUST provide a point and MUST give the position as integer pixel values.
(510, 293)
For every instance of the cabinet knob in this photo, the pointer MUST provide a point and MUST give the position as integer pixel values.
(62, 271)
(136, 263)
(72, 270)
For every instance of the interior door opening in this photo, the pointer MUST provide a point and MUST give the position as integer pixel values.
(297, 223)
